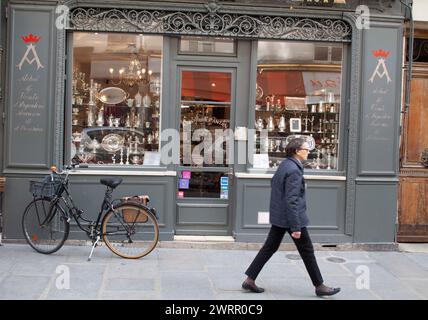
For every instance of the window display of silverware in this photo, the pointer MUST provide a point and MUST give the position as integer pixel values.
(115, 97)
(108, 127)
(319, 121)
(297, 94)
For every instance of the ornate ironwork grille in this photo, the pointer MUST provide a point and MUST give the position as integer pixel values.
(211, 23)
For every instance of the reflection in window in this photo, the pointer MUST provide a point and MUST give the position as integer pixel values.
(207, 45)
(116, 91)
(298, 94)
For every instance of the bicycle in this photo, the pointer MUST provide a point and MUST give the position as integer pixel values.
(128, 228)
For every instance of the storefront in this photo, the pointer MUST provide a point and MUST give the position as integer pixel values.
(193, 103)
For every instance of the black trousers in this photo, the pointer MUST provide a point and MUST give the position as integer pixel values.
(303, 244)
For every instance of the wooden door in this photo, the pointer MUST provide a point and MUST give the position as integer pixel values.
(413, 188)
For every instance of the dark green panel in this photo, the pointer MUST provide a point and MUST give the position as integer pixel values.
(326, 217)
(202, 214)
(375, 212)
(381, 79)
(30, 94)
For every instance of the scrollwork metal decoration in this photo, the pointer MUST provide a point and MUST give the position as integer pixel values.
(211, 23)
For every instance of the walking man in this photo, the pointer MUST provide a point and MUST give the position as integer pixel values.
(288, 213)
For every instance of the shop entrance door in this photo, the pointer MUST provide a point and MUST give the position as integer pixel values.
(206, 118)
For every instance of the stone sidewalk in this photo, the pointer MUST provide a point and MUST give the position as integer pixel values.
(205, 274)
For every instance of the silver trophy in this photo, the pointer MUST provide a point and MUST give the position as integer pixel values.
(282, 125)
(271, 125)
(278, 106)
(121, 156)
(138, 98)
(321, 107)
(277, 145)
(127, 155)
(100, 118)
(93, 89)
(318, 160)
(320, 126)
(147, 101)
(306, 124)
(91, 116)
(271, 145)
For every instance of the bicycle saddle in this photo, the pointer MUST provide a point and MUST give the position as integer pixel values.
(112, 182)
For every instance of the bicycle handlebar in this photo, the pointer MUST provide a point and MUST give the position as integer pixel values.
(68, 168)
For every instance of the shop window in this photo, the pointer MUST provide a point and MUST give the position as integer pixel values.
(207, 46)
(205, 113)
(298, 94)
(116, 90)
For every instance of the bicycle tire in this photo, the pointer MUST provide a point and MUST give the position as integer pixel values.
(131, 231)
(48, 238)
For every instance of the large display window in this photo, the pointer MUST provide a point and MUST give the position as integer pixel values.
(298, 94)
(116, 90)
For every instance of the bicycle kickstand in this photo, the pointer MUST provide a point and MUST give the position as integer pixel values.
(93, 247)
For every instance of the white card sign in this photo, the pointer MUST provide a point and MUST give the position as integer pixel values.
(261, 161)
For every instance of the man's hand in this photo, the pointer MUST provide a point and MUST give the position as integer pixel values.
(296, 235)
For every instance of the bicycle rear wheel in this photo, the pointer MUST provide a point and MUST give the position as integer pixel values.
(45, 227)
(130, 231)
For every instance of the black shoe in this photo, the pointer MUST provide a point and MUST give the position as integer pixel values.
(326, 291)
(252, 288)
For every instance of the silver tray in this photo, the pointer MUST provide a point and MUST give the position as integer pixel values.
(112, 142)
(112, 95)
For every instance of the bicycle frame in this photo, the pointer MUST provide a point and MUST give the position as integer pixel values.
(69, 209)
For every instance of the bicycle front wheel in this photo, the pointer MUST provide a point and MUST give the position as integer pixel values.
(130, 231)
(45, 227)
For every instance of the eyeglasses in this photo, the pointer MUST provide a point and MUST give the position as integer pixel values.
(304, 149)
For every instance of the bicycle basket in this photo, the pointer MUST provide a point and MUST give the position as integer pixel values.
(47, 189)
(130, 215)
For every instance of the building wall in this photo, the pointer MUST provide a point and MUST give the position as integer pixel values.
(363, 198)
